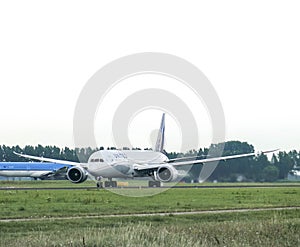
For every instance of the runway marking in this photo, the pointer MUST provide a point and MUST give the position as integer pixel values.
(221, 211)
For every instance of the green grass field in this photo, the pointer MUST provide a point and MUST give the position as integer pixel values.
(263, 228)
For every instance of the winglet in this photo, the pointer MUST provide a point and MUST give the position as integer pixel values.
(159, 147)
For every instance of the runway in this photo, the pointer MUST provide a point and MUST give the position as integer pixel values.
(163, 187)
(221, 211)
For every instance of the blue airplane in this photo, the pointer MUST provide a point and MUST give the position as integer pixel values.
(32, 169)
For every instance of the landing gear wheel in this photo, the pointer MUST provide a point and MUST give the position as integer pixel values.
(153, 184)
(110, 184)
(99, 185)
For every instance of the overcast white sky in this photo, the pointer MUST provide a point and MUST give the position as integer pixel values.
(249, 50)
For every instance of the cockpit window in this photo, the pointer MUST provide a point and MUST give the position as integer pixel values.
(101, 160)
(96, 160)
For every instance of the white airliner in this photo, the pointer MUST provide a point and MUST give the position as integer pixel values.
(132, 164)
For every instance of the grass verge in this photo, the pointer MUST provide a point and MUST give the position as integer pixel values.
(270, 228)
(261, 228)
(49, 203)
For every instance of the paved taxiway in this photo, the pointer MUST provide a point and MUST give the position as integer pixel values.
(164, 187)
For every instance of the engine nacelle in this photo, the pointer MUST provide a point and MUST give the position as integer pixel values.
(76, 174)
(166, 173)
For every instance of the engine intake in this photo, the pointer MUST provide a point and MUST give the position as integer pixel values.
(167, 173)
(76, 174)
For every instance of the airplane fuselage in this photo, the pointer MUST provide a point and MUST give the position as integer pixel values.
(121, 164)
(27, 169)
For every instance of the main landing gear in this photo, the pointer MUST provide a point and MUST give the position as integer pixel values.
(111, 184)
(107, 184)
(153, 184)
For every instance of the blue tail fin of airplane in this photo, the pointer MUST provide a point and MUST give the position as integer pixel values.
(159, 146)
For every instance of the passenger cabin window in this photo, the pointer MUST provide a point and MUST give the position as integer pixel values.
(97, 160)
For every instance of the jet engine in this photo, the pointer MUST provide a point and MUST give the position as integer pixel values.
(166, 173)
(77, 174)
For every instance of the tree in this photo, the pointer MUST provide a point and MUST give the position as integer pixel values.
(285, 163)
(270, 173)
(261, 162)
(226, 171)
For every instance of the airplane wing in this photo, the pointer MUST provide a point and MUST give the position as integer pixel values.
(63, 162)
(202, 161)
(54, 173)
(186, 158)
(61, 170)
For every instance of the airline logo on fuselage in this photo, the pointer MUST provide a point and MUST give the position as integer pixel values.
(120, 155)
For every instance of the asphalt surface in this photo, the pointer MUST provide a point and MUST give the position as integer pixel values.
(164, 187)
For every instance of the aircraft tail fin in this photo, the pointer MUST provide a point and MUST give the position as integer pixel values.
(159, 146)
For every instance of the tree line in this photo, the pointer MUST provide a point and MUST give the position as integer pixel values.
(258, 168)
(253, 169)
